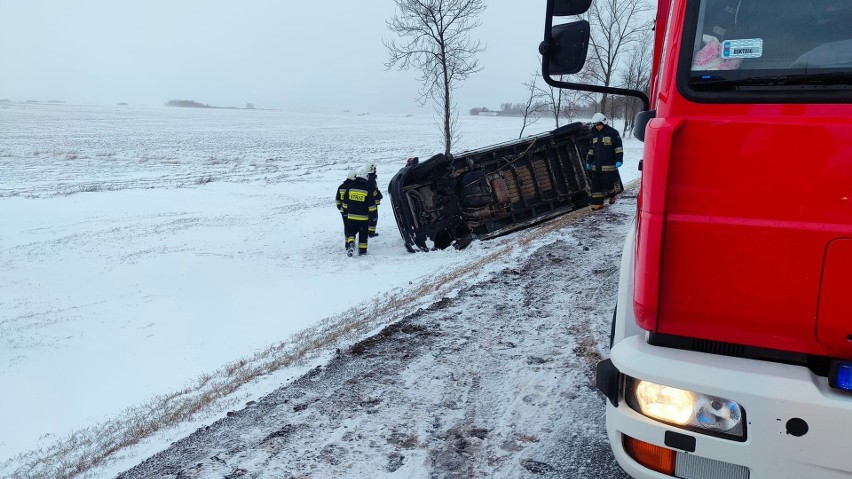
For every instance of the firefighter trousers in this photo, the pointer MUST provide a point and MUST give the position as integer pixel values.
(359, 228)
(601, 183)
(374, 219)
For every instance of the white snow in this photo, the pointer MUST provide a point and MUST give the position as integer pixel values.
(144, 248)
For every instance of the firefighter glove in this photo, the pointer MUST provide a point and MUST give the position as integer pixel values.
(618, 164)
(588, 166)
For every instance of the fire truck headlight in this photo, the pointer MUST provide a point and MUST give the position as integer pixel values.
(687, 409)
(664, 403)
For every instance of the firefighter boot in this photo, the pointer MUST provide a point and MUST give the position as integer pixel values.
(612, 200)
(350, 249)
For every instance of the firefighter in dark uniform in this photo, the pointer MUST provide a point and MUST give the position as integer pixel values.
(371, 179)
(359, 202)
(338, 199)
(603, 160)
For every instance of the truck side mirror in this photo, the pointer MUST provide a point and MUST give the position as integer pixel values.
(565, 52)
(564, 8)
(640, 121)
(564, 49)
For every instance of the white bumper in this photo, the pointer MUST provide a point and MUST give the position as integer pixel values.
(771, 394)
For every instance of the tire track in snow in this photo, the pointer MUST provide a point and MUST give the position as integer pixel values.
(494, 382)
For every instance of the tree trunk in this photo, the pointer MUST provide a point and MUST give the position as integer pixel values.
(448, 134)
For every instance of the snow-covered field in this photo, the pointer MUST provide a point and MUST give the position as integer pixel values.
(144, 249)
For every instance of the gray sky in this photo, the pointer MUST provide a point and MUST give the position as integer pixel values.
(316, 55)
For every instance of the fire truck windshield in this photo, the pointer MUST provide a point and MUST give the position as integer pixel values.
(770, 44)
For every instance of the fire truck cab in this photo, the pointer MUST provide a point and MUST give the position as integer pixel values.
(731, 354)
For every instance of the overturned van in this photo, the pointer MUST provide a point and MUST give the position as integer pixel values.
(483, 193)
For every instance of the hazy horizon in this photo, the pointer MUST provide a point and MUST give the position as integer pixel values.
(308, 57)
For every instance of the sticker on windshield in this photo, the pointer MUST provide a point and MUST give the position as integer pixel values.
(746, 48)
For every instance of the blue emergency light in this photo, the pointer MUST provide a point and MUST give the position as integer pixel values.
(841, 375)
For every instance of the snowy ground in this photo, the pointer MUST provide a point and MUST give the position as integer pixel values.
(145, 251)
(494, 382)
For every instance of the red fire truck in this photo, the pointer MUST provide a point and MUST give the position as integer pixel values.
(732, 335)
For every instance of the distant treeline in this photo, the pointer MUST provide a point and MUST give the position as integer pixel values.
(509, 110)
(187, 104)
(519, 109)
(195, 104)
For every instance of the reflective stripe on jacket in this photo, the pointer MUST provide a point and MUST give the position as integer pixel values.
(359, 201)
(341, 191)
(605, 150)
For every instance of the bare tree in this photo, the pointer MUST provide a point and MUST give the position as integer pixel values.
(555, 99)
(636, 75)
(616, 24)
(564, 103)
(533, 105)
(437, 42)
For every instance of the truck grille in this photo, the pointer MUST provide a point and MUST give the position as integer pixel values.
(817, 364)
(690, 466)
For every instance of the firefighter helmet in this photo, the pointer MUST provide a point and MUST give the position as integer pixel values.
(599, 118)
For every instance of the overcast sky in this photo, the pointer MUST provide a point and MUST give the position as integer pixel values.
(301, 55)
